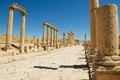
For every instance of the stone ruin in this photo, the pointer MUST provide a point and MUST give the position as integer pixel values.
(22, 44)
(104, 59)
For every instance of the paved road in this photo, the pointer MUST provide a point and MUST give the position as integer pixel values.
(61, 64)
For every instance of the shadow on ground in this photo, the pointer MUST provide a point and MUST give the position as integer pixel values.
(44, 67)
(84, 67)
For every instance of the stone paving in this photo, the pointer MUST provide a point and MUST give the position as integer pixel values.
(61, 64)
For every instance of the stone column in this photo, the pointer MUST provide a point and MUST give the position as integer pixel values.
(57, 38)
(64, 39)
(51, 37)
(94, 4)
(107, 61)
(9, 28)
(72, 37)
(85, 44)
(68, 38)
(54, 38)
(49, 33)
(22, 33)
(44, 34)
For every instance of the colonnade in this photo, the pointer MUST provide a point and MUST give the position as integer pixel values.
(51, 39)
(10, 24)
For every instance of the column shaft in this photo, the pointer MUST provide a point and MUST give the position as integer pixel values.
(94, 4)
(64, 39)
(51, 37)
(54, 37)
(44, 34)
(22, 34)
(57, 38)
(9, 28)
(49, 33)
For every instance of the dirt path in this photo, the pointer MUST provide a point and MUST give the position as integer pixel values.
(61, 64)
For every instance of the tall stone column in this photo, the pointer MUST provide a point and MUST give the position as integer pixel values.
(49, 35)
(107, 61)
(54, 38)
(64, 39)
(94, 4)
(68, 38)
(44, 34)
(22, 33)
(85, 43)
(57, 38)
(9, 28)
(72, 38)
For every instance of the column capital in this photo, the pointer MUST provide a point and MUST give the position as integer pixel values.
(23, 13)
(93, 4)
(10, 7)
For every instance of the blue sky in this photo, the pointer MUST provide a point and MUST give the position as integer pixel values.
(66, 15)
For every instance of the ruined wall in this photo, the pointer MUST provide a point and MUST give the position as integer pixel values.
(16, 39)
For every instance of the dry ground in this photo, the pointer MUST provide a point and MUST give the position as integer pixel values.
(61, 64)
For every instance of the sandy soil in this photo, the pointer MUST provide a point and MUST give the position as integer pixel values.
(61, 64)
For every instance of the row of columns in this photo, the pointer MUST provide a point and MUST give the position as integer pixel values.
(10, 24)
(52, 35)
(104, 38)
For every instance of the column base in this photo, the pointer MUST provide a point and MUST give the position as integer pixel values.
(22, 49)
(91, 57)
(107, 67)
(7, 48)
(106, 74)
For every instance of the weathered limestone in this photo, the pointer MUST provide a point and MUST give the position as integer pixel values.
(64, 39)
(68, 42)
(107, 61)
(51, 37)
(54, 37)
(22, 33)
(9, 27)
(49, 34)
(94, 4)
(70, 38)
(85, 44)
(44, 34)
(57, 46)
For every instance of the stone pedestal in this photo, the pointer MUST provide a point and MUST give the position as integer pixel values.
(107, 61)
